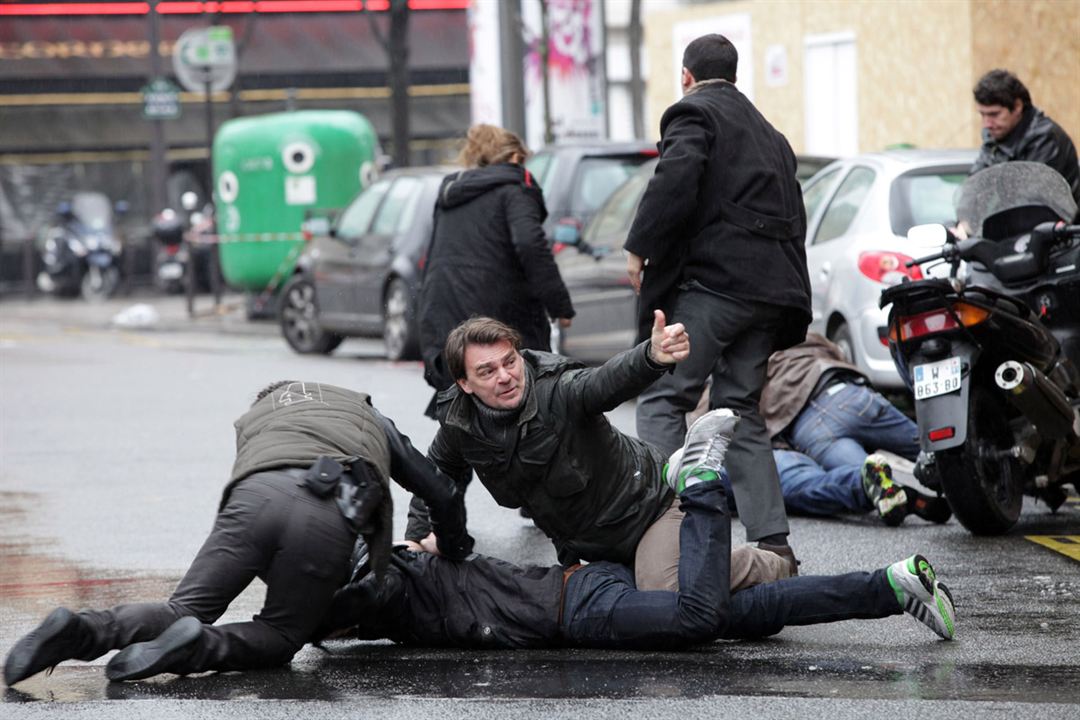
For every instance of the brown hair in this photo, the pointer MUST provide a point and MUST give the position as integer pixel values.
(475, 331)
(488, 145)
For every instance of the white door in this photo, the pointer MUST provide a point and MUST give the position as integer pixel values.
(831, 95)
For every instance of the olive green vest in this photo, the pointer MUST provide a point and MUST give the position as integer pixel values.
(296, 423)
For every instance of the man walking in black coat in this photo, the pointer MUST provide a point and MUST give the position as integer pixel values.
(719, 235)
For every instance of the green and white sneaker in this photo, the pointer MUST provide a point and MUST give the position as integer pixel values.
(921, 595)
(702, 455)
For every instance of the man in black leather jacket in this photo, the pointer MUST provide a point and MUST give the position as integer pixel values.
(311, 473)
(532, 426)
(1014, 129)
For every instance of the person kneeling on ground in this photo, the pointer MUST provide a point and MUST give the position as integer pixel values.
(311, 474)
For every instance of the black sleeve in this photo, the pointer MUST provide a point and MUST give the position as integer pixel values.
(449, 464)
(418, 475)
(621, 378)
(524, 214)
(672, 194)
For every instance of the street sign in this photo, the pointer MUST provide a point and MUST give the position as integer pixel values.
(161, 100)
(205, 55)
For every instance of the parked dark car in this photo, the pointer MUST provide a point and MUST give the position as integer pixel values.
(594, 270)
(362, 277)
(578, 177)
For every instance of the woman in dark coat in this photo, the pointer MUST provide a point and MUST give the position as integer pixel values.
(488, 252)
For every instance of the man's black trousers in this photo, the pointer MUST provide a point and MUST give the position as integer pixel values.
(272, 528)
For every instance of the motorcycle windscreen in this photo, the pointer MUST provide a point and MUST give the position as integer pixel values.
(1021, 194)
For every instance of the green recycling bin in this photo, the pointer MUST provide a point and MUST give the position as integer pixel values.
(270, 173)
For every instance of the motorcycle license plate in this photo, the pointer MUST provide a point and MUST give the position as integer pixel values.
(172, 271)
(937, 378)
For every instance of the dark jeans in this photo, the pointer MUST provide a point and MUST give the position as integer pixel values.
(731, 340)
(602, 608)
(840, 427)
(272, 528)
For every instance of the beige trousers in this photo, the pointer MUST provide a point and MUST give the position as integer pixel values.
(656, 562)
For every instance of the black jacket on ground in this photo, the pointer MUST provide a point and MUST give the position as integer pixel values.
(724, 208)
(489, 257)
(1036, 138)
(590, 488)
(480, 603)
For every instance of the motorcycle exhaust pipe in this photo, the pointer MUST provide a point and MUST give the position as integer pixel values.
(1038, 399)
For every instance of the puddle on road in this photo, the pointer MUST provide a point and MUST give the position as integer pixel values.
(386, 672)
(33, 581)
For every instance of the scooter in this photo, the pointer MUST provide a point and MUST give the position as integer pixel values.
(170, 261)
(81, 252)
(991, 354)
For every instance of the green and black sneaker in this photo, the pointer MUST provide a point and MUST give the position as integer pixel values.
(921, 595)
(888, 497)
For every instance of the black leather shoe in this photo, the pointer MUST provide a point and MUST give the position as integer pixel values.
(59, 637)
(165, 653)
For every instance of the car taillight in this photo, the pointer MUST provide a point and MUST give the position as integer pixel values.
(887, 267)
(650, 153)
(939, 320)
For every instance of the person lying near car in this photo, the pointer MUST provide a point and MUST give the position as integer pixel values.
(827, 424)
(486, 603)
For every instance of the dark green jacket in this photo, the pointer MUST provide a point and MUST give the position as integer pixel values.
(591, 489)
(296, 424)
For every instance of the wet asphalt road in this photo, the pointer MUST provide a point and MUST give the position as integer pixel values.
(114, 447)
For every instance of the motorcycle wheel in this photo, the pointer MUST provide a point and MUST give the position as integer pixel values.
(299, 319)
(985, 491)
(99, 283)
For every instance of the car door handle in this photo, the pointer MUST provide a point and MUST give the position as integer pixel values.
(826, 269)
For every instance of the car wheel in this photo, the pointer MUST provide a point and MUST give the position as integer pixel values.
(400, 335)
(841, 335)
(299, 319)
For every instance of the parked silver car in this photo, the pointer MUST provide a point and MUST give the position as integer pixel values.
(859, 210)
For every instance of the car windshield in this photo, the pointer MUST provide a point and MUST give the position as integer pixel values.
(613, 222)
(92, 210)
(1014, 193)
(924, 196)
(598, 178)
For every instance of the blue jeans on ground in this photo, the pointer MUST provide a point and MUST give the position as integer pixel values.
(602, 607)
(810, 489)
(840, 428)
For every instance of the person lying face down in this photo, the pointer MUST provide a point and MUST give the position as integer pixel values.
(487, 603)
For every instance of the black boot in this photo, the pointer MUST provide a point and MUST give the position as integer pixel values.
(171, 652)
(929, 508)
(63, 635)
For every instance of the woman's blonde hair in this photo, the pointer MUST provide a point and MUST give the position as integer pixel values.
(490, 144)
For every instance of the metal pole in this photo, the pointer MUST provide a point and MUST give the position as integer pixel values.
(157, 130)
(512, 51)
(209, 128)
(545, 71)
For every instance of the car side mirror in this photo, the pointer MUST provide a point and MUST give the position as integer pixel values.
(568, 234)
(932, 235)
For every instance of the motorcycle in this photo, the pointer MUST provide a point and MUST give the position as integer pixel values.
(82, 251)
(991, 354)
(170, 261)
